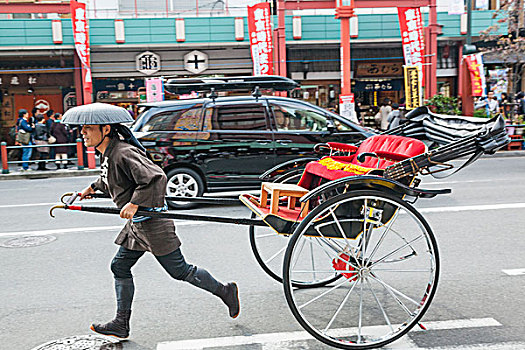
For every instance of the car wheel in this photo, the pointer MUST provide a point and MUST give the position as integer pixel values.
(183, 182)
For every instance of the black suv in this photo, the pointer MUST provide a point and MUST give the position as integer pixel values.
(226, 143)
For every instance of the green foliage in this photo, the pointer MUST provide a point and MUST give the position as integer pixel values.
(443, 105)
(480, 113)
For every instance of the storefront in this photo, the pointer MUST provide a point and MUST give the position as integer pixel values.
(44, 89)
(120, 92)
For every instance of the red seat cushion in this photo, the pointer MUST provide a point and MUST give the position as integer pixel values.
(390, 146)
(393, 144)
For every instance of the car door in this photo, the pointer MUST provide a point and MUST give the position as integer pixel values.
(299, 126)
(238, 146)
(169, 133)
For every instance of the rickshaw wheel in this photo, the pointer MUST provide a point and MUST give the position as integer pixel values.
(392, 268)
(269, 247)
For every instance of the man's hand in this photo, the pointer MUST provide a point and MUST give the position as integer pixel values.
(86, 193)
(128, 211)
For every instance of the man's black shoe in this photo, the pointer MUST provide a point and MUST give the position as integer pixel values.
(230, 296)
(119, 327)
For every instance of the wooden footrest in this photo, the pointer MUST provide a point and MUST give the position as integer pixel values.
(276, 190)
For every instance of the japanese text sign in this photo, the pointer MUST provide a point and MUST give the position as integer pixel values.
(81, 39)
(413, 86)
(411, 25)
(477, 73)
(260, 30)
(154, 90)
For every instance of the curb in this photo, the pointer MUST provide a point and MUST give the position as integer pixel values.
(48, 174)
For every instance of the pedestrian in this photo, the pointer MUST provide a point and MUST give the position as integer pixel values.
(520, 100)
(25, 137)
(41, 139)
(384, 111)
(394, 117)
(49, 123)
(61, 134)
(490, 103)
(132, 180)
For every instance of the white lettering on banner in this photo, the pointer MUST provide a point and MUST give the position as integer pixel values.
(81, 39)
(411, 26)
(15, 81)
(260, 34)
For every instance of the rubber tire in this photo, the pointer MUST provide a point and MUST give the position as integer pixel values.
(198, 180)
(288, 286)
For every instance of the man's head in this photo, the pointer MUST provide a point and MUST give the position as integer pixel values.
(395, 106)
(95, 135)
(490, 94)
(22, 113)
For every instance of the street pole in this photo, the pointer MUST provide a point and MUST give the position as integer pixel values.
(343, 12)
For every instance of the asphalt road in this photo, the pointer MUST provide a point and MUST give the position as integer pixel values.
(55, 290)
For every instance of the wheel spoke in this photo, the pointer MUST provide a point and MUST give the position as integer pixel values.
(339, 308)
(395, 251)
(383, 235)
(386, 285)
(275, 255)
(385, 316)
(360, 311)
(273, 234)
(328, 291)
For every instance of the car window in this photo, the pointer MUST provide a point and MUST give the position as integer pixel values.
(292, 116)
(238, 117)
(180, 120)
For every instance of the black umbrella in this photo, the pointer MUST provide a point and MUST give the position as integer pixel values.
(96, 114)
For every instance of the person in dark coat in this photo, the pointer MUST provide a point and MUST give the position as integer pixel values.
(132, 180)
(41, 138)
(61, 133)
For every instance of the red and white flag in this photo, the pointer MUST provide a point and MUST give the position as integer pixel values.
(81, 39)
(260, 30)
(411, 25)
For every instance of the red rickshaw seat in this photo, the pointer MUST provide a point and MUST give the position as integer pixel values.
(390, 149)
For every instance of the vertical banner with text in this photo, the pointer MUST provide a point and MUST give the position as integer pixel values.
(260, 31)
(81, 39)
(413, 83)
(477, 74)
(411, 26)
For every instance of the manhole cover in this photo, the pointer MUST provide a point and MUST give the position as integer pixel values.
(27, 241)
(82, 342)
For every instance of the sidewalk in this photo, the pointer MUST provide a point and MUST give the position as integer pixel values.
(16, 174)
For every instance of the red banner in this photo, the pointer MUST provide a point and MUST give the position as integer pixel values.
(81, 39)
(260, 30)
(475, 67)
(411, 25)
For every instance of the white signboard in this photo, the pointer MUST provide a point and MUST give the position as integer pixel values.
(196, 62)
(347, 107)
(148, 62)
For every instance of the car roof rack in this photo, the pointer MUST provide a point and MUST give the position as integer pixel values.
(252, 83)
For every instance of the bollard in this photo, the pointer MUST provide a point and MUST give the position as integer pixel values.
(3, 153)
(91, 157)
(80, 155)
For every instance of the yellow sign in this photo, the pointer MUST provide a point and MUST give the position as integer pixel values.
(413, 86)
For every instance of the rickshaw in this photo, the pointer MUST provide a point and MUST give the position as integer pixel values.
(358, 263)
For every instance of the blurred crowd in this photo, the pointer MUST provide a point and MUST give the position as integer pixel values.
(42, 130)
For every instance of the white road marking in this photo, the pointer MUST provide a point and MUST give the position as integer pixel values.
(473, 208)
(498, 346)
(271, 341)
(514, 272)
(82, 229)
